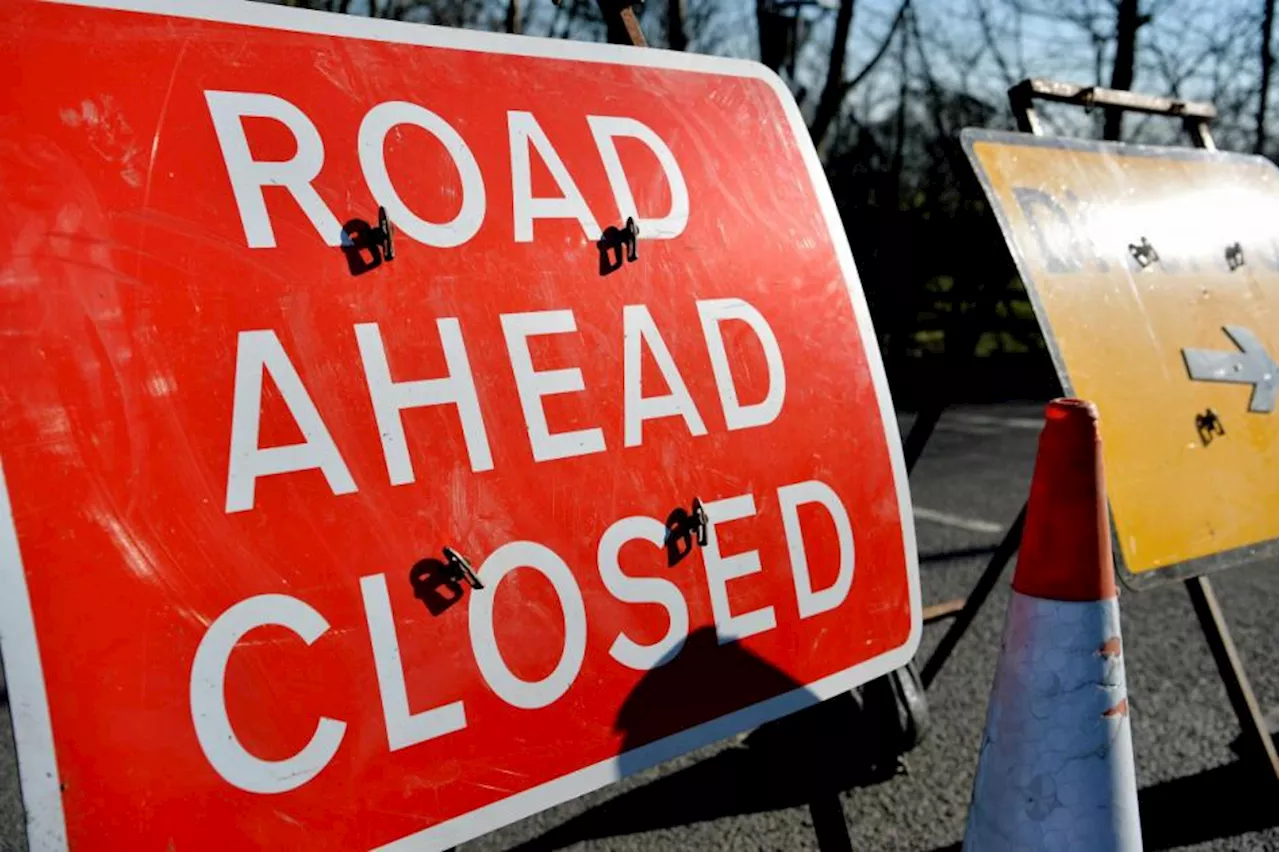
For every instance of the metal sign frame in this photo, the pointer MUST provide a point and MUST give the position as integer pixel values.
(1257, 738)
(1219, 560)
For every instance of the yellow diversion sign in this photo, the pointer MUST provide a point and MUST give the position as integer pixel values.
(1153, 272)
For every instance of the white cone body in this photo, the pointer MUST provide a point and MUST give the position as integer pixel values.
(1055, 771)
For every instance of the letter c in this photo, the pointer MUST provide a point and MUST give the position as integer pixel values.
(209, 706)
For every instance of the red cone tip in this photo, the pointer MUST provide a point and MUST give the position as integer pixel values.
(1066, 542)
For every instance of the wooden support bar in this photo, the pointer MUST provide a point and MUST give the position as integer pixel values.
(946, 609)
(1095, 96)
(621, 23)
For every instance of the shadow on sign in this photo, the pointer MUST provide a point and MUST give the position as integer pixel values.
(435, 585)
(362, 244)
(807, 758)
(679, 539)
(615, 244)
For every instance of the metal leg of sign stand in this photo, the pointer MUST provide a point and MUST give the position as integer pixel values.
(1257, 739)
(829, 826)
(1195, 120)
(977, 597)
(962, 609)
(921, 431)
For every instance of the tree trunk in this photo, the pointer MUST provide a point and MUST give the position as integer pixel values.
(772, 41)
(677, 38)
(1267, 71)
(834, 90)
(1128, 20)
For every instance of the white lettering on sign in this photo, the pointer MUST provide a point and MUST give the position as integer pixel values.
(406, 728)
(260, 351)
(256, 352)
(637, 328)
(525, 133)
(297, 174)
(605, 129)
(217, 738)
(248, 176)
(371, 146)
(721, 569)
(390, 398)
(528, 695)
(791, 497)
(713, 312)
(534, 384)
(642, 590)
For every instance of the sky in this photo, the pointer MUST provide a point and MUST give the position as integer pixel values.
(1194, 49)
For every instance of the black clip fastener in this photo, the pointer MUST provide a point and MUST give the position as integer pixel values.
(698, 522)
(684, 528)
(1144, 253)
(1235, 257)
(1209, 425)
(618, 244)
(386, 235)
(460, 569)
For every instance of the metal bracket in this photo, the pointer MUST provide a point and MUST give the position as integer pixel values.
(1208, 426)
(386, 235)
(1144, 253)
(698, 522)
(1235, 256)
(460, 569)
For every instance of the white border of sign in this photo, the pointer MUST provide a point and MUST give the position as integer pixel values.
(33, 732)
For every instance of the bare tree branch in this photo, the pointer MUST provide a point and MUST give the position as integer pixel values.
(1266, 70)
(833, 91)
(853, 82)
(989, 39)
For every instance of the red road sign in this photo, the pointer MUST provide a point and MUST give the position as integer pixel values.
(236, 440)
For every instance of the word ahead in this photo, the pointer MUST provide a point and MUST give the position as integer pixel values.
(261, 351)
(244, 474)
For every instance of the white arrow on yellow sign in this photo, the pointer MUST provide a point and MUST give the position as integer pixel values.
(1252, 365)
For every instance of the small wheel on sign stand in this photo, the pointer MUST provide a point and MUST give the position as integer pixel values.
(913, 705)
(896, 707)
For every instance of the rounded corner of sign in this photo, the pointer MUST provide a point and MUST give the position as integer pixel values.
(909, 648)
(906, 652)
(1131, 581)
(971, 138)
(762, 72)
(1151, 578)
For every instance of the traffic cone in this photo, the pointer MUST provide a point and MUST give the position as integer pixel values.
(1055, 770)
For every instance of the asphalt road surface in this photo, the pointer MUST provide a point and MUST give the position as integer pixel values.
(755, 792)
